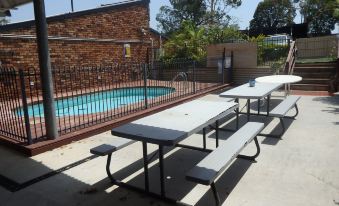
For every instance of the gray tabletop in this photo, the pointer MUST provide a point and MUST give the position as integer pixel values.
(260, 90)
(175, 124)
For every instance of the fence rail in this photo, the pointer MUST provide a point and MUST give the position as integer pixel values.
(273, 52)
(88, 96)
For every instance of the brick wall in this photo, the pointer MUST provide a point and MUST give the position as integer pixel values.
(93, 37)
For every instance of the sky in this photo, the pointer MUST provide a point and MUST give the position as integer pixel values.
(242, 15)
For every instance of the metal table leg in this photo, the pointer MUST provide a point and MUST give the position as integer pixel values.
(204, 138)
(161, 165)
(268, 104)
(144, 152)
(217, 133)
(248, 109)
(237, 114)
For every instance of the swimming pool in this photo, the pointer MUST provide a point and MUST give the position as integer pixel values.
(98, 101)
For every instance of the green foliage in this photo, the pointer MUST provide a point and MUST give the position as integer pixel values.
(222, 35)
(199, 12)
(272, 14)
(322, 15)
(258, 39)
(190, 41)
(171, 17)
(269, 53)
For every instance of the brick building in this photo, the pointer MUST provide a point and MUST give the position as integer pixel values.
(105, 35)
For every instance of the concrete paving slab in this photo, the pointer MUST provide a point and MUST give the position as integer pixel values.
(299, 169)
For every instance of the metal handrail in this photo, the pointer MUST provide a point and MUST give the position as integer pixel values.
(334, 83)
(291, 58)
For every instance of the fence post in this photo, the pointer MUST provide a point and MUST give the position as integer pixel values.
(231, 69)
(194, 88)
(145, 85)
(25, 107)
(223, 66)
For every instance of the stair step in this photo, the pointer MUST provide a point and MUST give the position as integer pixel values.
(331, 64)
(315, 81)
(311, 93)
(310, 87)
(320, 75)
(314, 69)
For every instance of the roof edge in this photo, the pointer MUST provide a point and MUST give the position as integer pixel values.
(158, 33)
(30, 23)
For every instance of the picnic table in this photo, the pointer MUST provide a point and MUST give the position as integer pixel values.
(283, 79)
(258, 92)
(169, 127)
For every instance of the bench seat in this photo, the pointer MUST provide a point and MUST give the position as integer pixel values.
(282, 109)
(106, 149)
(206, 171)
(215, 163)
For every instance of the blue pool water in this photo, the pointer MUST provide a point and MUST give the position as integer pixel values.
(98, 101)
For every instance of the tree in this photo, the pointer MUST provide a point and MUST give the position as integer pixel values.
(218, 9)
(170, 18)
(336, 11)
(272, 14)
(217, 34)
(198, 12)
(321, 15)
(188, 42)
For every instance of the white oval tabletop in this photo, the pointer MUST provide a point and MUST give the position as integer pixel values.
(284, 79)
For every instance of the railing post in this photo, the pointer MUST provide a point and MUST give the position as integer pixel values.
(194, 88)
(231, 69)
(145, 85)
(223, 66)
(25, 107)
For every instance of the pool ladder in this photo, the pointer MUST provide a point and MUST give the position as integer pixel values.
(183, 75)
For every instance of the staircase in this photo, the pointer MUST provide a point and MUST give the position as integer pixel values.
(316, 76)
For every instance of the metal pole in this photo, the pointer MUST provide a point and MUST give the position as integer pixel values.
(194, 86)
(25, 107)
(223, 66)
(145, 86)
(144, 152)
(248, 109)
(161, 166)
(231, 69)
(45, 69)
(72, 5)
(217, 134)
(204, 137)
(237, 114)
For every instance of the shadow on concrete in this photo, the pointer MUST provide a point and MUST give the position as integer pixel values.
(266, 120)
(176, 166)
(227, 182)
(332, 105)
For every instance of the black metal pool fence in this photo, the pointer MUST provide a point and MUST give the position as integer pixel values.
(91, 95)
(273, 51)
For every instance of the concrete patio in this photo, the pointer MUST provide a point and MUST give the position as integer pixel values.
(299, 169)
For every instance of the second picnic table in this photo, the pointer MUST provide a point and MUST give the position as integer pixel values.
(258, 92)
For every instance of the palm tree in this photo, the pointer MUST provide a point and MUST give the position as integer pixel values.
(189, 42)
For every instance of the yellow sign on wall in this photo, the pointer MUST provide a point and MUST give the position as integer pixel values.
(127, 50)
